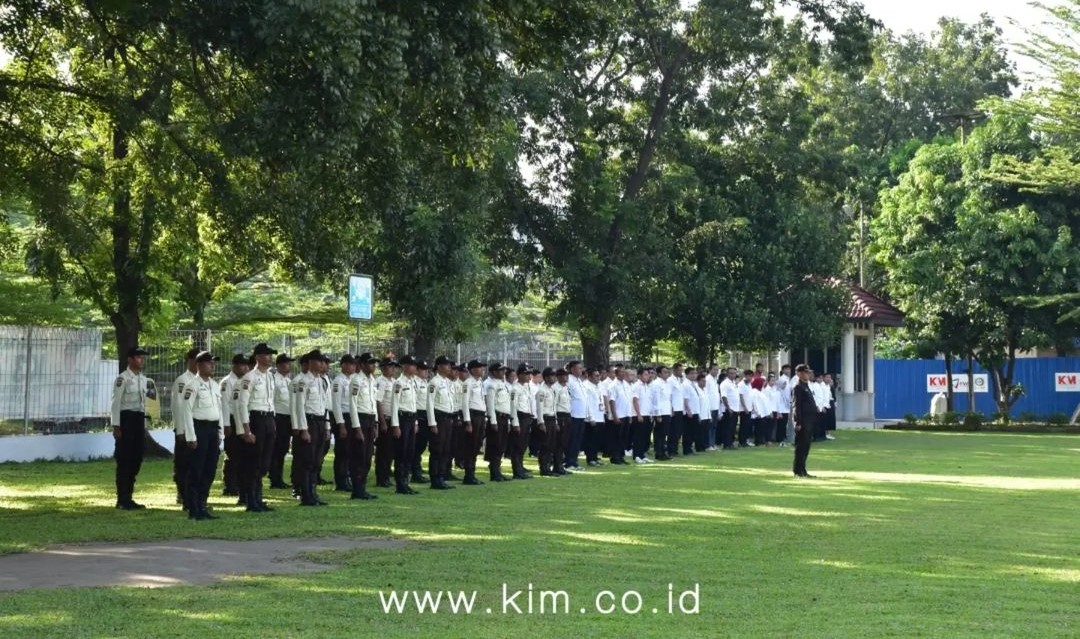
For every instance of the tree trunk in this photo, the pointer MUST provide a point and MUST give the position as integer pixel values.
(423, 347)
(596, 346)
(948, 382)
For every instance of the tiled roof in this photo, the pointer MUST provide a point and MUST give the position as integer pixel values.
(867, 307)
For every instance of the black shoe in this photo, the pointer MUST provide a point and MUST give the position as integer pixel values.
(206, 514)
(441, 486)
(560, 473)
(471, 481)
(452, 477)
(548, 473)
(279, 485)
(419, 479)
(132, 505)
(522, 475)
(322, 482)
(229, 492)
(364, 496)
(384, 484)
(406, 491)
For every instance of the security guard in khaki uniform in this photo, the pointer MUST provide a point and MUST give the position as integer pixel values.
(384, 442)
(521, 424)
(461, 415)
(474, 416)
(233, 448)
(180, 454)
(562, 419)
(282, 419)
(256, 409)
(311, 399)
(203, 419)
(339, 408)
(440, 419)
(423, 431)
(130, 392)
(499, 409)
(548, 426)
(363, 413)
(403, 424)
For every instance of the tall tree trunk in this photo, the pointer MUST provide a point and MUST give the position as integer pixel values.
(423, 346)
(949, 399)
(596, 346)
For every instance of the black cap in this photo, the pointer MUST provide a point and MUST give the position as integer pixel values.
(495, 366)
(192, 353)
(461, 368)
(206, 356)
(443, 359)
(318, 354)
(305, 358)
(365, 358)
(475, 364)
(347, 359)
(548, 372)
(136, 351)
(422, 365)
(523, 369)
(283, 358)
(409, 359)
(388, 361)
(239, 358)
(561, 373)
(262, 349)
(801, 368)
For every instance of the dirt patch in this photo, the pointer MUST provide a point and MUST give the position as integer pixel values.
(169, 563)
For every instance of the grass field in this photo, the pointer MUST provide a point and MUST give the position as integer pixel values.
(902, 535)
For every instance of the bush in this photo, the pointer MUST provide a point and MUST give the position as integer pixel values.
(1027, 417)
(973, 420)
(950, 419)
(1003, 418)
(927, 419)
(1057, 419)
(911, 419)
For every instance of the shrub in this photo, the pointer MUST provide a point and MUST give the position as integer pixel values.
(973, 420)
(1003, 418)
(1027, 416)
(911, 419)
(1057, 419)
(927, 419)
(950, 419)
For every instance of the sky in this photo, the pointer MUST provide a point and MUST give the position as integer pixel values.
(922, 16)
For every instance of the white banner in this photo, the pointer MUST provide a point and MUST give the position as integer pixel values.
(938, 383)
(1067, 382)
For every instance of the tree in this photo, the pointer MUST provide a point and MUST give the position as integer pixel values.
(960, 247)
(599, 116)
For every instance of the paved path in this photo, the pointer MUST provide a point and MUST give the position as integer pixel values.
(168, 563)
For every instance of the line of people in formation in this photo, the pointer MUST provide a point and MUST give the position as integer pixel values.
(455, 412)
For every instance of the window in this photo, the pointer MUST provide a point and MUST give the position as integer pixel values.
(862, 349)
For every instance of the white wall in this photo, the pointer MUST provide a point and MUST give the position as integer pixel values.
(77, 447)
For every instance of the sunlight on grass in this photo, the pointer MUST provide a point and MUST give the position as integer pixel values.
(603, 538)
(796, 512)
(833, 563)
(694, 512)
(979, 481)
(1067, 575)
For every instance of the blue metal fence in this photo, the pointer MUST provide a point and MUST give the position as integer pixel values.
(900, 387)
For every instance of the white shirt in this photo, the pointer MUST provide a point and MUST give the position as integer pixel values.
(282, 397)
(620, 395)
(676, 385)
(775, 399)
(706, 406)
(339, 398)
(179, 406)
(202, 398)
(130, 392)
(579, 408)
(363, 398)
(562, 398)
(730, 390)
(592, 401)
(692, 399)
(474, 394)
(644, 396)
(712, 391)
(744, 393)
(759, 406)
(661, 397)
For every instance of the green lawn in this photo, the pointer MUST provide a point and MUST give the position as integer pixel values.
(902, 535)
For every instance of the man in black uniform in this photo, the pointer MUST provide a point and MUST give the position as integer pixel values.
(805, 415)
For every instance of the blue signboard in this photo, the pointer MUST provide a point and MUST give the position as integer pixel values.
(361, 297)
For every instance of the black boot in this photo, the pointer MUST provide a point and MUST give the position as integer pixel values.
(342, 485)
(359, 492)
(263, 506)
(471, 480)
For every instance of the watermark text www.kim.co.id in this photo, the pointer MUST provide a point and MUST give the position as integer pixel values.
(536, 601)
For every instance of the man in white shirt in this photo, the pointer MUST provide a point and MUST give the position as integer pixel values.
(712, 389)
(661, 403)
(620, 407)
(746, 429)
(579, 413)
(821, 400)
(760, 412)
(562, 420)
(691, 411)
(729, 406)
(593, 440)
(643, 416)
(678, 410)
(774, 400)
(339, 410)
(706, 426)
(475, 405)
(180, 449)
(785, 386)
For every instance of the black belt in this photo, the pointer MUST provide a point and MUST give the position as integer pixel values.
(262, 413)
(136, 412)
(206, 423)
(407, 413)
(447, 413)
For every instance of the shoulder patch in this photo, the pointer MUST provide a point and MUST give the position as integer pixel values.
(336, 386)
(236, 394)
(119, 381)
(180, 387)
(187, 393)
(223, 386)
(246, 384)
(300, 386)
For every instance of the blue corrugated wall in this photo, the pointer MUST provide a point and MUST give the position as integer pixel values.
(900, 387)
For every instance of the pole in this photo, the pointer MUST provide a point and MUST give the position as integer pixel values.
(209, 341)
(862, 283)
(358, 347)
(26, 381)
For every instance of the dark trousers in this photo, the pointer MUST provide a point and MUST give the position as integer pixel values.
(691, 429)
(819, 427)
(704, 427)
(615, 440)
(518, 442)
(762, 428)
(201, 465)
(384, 455)
(804, 436)
(440, 456)
(180, 467)
(360, 453)
(781, 428)
(575, 439)
(497, 435)
(469, 443)
(306, 455)
(746, 429)
(322, 451)
(547, 441)
(128, 452)
(282, 438)
(265, 430)
(727, 429)
(404, 449)
(661, 428)
(562, 442)
(641, 431)
(714, 427)
(230, 469)
(592, 441)
(423, 438)
(341, 452)
(830, 418)
(675, 432)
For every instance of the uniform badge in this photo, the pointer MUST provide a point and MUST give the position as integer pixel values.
(299, 387)
(236, 395)
(119, 381)
(223, 387)
(151, 390)
(245, 384)
(187, 393)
